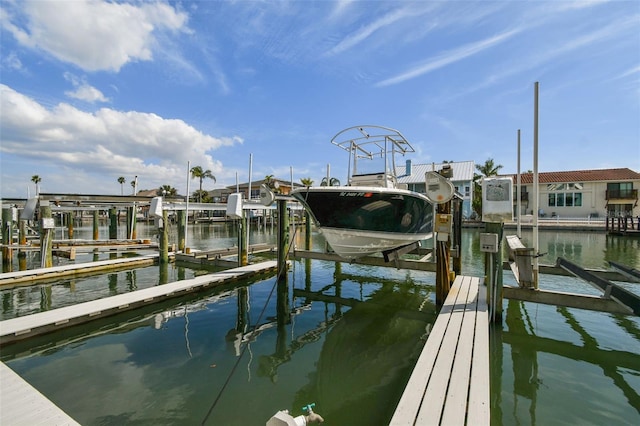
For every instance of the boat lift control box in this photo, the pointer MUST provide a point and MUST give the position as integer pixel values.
(443, 226)
(234, 205)
(488, 242)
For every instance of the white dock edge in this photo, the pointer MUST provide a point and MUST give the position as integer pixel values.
(22, 405)
(450, 382)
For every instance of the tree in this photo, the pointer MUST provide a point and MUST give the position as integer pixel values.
(488, 169)
(133, 187)
(306, 181)
(165, 190)
(197, 172)
(121, 181)
(36, 179)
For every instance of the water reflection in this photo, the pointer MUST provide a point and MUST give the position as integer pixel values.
(538, 355)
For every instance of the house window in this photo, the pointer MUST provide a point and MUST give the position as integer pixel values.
(569, 199)
(467, 191)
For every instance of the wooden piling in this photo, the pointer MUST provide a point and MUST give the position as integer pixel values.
(307, 230)
(493, 267)
(113, 223)
(96, 225)
(70, 224)
(7, 237)
(182, 229)
(243, 241)
(164, 239)
(443, 281)
(22, 241)
(46, 235)
(283, 239)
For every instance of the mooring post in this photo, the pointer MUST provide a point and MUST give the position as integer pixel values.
(443, 282)
(493, 266)
(182, 229)
(243, 240)
(456, 236)
(129, 216)
(22, 241)
(96, 231)
(113, 223)
(70, 224)
(283, 239)
(307, 230)
(47, 226)
(164, 239)
(7, 237)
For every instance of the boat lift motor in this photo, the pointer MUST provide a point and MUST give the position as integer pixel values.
(283, 418)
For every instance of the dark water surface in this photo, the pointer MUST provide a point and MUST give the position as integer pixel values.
(342, 336)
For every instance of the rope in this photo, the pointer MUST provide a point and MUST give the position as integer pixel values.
(244, 349)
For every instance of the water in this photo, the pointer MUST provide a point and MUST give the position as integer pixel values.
(233, 356)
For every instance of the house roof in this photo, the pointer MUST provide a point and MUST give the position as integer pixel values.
(580, 176)
(256, 184)
(462, 171)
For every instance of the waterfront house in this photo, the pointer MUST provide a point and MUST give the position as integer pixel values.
(582, 193)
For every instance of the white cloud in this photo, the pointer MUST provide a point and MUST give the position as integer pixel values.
(94, 35)
(449, 57)
(83, 90)
(107, 141)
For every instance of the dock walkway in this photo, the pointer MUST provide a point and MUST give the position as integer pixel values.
(22, 404)
(22, 327)
(450, 382)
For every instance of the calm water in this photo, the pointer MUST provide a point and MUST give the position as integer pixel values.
(342, 336)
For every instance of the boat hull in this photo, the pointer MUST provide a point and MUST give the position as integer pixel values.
(358, 221)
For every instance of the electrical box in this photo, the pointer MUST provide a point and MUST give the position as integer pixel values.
(497, 199)
(443, 223)
(488, 242)
(155, 210)
(234, 205)
(47, 223)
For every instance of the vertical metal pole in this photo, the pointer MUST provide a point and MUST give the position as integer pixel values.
(536, 189)
(186, 229)
(519, 193)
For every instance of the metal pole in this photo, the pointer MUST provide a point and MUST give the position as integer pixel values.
(186, 227)
(536, 189)
(519, 193)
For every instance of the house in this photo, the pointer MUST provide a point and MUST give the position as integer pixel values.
(413, 176)
(582, 193)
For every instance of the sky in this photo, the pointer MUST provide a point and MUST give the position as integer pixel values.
(92, 90)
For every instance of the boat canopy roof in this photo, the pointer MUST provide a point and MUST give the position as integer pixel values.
(369, 141)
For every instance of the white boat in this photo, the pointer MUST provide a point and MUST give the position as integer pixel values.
(372, 212)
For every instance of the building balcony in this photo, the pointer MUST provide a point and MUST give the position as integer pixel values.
(622, 194)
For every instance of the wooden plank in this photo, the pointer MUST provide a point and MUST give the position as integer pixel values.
(478, 411)
(458, 391)
(409, 404)
(22, 404)
(434, 397)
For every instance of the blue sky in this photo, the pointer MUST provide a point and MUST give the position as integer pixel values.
(94, 90)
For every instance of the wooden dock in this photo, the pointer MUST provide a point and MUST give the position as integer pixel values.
(56, 272)
(450, 382)
(22, 404)
(44, 322)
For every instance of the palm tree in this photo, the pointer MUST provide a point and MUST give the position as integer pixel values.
(133, 187)
(488, 169)
(306, 181)
(167, 190)
(197, 172)
(121, 181)
(36, 179)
